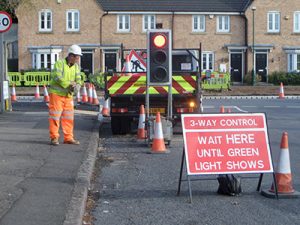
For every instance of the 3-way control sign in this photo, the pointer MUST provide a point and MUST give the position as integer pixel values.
(5, 21)
(226, 143)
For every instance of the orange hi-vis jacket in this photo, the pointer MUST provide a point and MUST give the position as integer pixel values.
(61, 106)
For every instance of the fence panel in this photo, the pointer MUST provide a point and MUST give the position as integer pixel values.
(34, 78)
(15, 78)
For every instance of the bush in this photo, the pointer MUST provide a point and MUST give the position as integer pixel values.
(248, 78)
(286, 78)
(97, 79)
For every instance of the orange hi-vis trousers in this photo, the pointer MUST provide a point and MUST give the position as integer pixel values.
(61, 109)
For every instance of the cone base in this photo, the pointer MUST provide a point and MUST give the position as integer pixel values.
(160, 152)
(269, 194)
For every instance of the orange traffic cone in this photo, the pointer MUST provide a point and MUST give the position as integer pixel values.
(37, 92)
(90, 93)
(46, 95)
(222, 110)
(105, 109)
(141, 128)
(84, 94)
(95, 97)
(158, 144)
(13, 96)
(283, 173)
(281, 91)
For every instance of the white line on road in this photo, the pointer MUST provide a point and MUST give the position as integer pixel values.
(293, 107)
(271, 106)
(239, 109)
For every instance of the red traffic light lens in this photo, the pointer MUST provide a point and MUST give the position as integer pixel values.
(159, 41)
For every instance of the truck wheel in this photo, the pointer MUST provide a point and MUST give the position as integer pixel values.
(115, 125)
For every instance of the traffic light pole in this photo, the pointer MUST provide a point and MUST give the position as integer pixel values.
(159, 74)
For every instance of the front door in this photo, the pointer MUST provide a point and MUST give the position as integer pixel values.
(110, 61)
(261, 65)
(87, 63)
(236, 67)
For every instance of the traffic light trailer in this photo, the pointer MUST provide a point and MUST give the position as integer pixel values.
(169, 92)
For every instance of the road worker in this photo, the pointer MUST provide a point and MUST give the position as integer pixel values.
(65, 79)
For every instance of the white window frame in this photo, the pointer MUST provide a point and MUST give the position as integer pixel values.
(223, 24)
(292, 62)
(122, 21)
(297, 22)
(38, 54)
(72, 28)
(149, 22)
(205, 66)
(198, 23)
(272, 22)
(45, 12)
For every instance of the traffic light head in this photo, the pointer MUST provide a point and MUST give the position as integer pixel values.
(159, 57)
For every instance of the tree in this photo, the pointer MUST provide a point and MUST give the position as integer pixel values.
(9, 6)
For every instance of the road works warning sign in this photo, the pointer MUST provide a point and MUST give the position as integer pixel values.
(226, 143)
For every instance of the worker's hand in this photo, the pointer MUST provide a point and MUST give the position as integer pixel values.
(72, 86)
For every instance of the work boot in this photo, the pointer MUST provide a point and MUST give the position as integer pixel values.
(54, 141)
(72, 142)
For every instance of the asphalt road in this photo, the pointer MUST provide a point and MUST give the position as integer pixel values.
(140, 188)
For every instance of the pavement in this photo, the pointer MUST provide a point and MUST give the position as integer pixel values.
(42, 184)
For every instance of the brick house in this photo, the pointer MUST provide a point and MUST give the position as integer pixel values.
(48, 27)
(224, 28)
(276, 36)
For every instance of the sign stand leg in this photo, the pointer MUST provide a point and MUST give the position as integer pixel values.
(259, 182)
(275, 185)
(190, 189)
(180, 176)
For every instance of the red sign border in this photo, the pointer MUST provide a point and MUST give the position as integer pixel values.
(10, 19)
(189, 173)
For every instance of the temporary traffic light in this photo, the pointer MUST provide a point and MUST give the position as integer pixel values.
(159, 57)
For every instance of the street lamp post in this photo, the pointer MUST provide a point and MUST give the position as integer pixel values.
(253, 52)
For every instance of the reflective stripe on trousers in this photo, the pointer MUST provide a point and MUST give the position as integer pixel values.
(61, 109)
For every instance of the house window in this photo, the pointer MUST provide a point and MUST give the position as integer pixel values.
(198, 23)
(148, 22)
(73, 20)
(45, 20)
(44, 58)
(293, 62)
(123, 23)
(297, 22)
(223, 24)
(207, 61)
(274, 22)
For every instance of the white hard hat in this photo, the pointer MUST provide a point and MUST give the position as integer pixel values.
(75, 49)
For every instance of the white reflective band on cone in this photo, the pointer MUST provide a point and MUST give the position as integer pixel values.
(284, 162)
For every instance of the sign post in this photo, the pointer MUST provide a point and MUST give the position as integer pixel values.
(5, 24)
(225, 144)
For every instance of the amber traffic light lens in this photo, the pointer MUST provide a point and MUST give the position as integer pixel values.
(159, 41)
